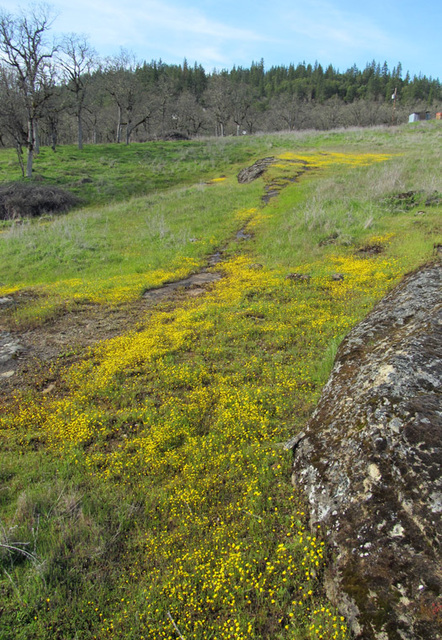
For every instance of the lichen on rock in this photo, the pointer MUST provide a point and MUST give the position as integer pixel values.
(255, 170)
(370, 466)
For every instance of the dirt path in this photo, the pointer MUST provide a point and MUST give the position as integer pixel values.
(25, 356)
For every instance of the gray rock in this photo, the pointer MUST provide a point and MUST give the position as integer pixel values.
(255, 171)
(300, 277)
(7, 374)
(195, 280)
(370, 466)
(10, 348)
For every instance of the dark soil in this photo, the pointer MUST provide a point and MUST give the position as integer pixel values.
(25, 355)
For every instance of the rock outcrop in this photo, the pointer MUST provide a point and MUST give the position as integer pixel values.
(10, 349)
(255, 170)
(370, 462)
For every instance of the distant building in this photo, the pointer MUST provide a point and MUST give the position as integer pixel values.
(417, 116)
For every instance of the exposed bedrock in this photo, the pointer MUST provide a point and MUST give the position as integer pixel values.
(370, 466)
(255, 170)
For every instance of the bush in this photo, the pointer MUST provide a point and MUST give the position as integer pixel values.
(18, 200)
(175, 135)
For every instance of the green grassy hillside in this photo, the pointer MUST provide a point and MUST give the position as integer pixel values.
(144, 487)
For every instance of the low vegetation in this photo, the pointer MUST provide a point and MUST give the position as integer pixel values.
(145, 489)
(109, 172)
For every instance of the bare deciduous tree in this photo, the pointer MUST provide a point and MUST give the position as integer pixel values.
(242, 99)
(190, 116)
(12, 114)
(288, 111)
(25, 51)
(164, 100)
(77, 61)
(134, 107)
(219, 99)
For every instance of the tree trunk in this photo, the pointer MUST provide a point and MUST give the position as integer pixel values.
(30, 146)
(80, 130)
(53, 137)
(36, 138)
(29, 161)
(118, 139)
(20, 159)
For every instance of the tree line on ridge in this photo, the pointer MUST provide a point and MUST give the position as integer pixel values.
(62, 92)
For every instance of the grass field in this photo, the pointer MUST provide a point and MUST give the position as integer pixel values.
(144, 487)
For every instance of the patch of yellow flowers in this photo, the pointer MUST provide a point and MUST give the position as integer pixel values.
(121, 288)
(194, 402)
(328, 159)
(204, 432)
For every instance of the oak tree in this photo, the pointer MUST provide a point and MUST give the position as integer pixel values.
(25, 51)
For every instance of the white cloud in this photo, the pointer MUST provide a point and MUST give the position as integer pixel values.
(333, 27)
(147, 19)
(154, 29)
(232, 33)
(191, 21)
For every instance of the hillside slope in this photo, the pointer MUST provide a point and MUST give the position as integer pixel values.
(159, 351)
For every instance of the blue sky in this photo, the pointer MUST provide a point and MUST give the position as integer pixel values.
(223, 33)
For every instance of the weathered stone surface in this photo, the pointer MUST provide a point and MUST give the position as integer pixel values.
(10, 348)
(195, 280)
(370, 465)
(298, 277)
(257, 169)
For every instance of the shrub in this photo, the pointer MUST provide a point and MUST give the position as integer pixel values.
(18, 200)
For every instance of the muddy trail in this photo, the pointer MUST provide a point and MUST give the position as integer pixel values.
(25, 355)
